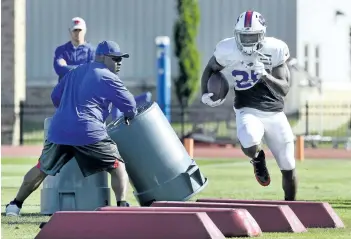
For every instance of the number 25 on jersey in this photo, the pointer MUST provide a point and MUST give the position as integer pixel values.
(244, 80)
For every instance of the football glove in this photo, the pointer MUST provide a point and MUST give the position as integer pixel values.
(206, 99)
(259, 68)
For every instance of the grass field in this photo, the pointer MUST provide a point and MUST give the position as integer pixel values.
(325, 180)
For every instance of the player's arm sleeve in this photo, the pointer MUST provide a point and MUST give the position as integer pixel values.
(282, 54)
(57, 92)
(60, 69)
(220, 55)
(119, 95)
(279, 80)
(213, 65)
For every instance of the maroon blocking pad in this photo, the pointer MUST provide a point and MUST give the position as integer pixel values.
(311, 214)
(270, 218)
(129, 225)
(231, 222)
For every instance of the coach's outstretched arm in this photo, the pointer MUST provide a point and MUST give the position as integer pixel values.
(211, 67)
(120, 96)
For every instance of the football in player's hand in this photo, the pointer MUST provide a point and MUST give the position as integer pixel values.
(218, 85)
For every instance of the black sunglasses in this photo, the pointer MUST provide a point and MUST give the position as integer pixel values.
(116, 59)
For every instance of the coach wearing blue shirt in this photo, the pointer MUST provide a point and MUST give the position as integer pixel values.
(75, 52)
(83, 98)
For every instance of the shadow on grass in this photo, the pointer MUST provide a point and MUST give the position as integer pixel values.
(34, 219)
(22, 223)
(341, 207)
(26, 215)
(339, 204)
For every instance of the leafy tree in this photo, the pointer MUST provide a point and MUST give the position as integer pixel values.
(185, 35)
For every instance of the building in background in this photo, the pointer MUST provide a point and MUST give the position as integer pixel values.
(320, 42)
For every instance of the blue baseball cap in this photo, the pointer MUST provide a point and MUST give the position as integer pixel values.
(110, 48)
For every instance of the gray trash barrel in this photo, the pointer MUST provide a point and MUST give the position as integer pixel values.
(157, 163)
(70, 191)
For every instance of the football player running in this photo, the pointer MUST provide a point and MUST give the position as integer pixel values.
(261, 81)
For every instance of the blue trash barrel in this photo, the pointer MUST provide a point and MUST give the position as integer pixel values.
(157, 163)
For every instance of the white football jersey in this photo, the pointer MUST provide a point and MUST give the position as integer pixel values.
(227, 54)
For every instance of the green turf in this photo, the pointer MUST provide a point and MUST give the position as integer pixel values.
(325, 180)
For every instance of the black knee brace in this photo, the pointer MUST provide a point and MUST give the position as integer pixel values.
(251, 151)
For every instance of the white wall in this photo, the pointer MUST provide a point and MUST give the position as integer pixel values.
(134, 24)
(317, 25)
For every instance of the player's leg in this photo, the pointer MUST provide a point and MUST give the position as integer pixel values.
(280, 140)
(52, 159)
(104, 156)
(250, 131)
